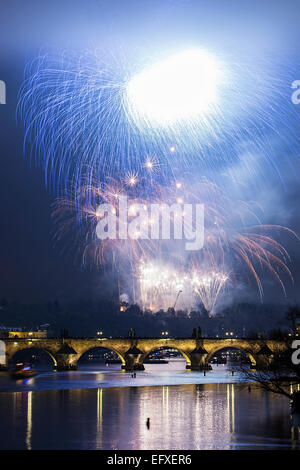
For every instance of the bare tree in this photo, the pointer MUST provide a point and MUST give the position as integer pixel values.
(278, 375)
(292, 315)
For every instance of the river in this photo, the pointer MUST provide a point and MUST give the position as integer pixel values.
(105, 408)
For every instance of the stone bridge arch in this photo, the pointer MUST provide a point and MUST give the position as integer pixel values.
(249, 354)
(176, 348)
(107, 347)
(10, 357)
(132, 351)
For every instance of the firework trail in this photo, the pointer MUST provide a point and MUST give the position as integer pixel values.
(87, 126)
(80, 119)
(77, 215)
(208, 285)
(236, 244)
(236, 238)
(160, 285)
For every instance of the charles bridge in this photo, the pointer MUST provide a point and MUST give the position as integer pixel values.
(198, 352)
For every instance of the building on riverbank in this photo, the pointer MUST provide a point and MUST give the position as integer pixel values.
(19, 332)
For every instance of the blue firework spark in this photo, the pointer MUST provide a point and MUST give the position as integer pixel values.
(78, 120)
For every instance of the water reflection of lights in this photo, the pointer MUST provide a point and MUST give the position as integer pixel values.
(203, 416)
(209, 419)
(165, 391)
(212, 417)
(295, 420)
(29, 421)
(99, 409)
(166, 411)
(99, 432)
(231, 407)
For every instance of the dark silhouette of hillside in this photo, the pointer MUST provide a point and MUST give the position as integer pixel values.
(86, 317)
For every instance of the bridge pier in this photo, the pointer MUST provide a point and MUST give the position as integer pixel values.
(262, 363)
(199, 359)
(134, 358)
(264, 358)
(66, 358)
(4, 367)
(64, 363)
(132, 351)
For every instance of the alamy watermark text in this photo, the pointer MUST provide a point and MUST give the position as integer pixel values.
(154, 221)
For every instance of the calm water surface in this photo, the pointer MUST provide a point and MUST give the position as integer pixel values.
(79, 410)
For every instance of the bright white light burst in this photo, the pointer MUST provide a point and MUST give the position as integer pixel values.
(183, 86)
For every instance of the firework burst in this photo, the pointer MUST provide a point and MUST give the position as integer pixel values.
(80, 119)
(102, 128)
(208, 285)
(235, 242)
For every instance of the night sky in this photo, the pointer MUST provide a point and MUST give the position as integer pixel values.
(31, 267)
